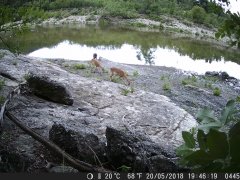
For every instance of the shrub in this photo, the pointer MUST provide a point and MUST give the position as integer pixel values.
(79, 66)
(214, 145)
(120, 8)
(189, 80)
(166, 86)
(125, 92)
(198, 14)
(238, 99)
(216, 91)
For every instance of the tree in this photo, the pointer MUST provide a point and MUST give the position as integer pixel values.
(198, 14)
(230, 28)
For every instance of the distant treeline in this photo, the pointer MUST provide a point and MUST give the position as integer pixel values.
(204, 12)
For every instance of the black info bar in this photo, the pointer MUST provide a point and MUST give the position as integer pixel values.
(122, 176)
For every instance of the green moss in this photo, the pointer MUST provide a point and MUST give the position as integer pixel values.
(216, 91)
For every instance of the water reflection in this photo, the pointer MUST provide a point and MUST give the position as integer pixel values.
(132, 54)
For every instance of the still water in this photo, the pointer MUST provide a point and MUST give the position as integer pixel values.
(77, 42)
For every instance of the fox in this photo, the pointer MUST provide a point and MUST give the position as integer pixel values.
(96, 63)
(120, 73)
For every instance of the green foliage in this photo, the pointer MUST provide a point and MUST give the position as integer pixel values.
(26, 77)
(166, 86)
(124, 168)
(214, 145)
(231, 29)
(2, 99)
(198, 14)
(2, 83)
(189, 80)
(120, 8)
(238, 99)
(79, 66)
(136, 73)
(208, 85)
(28, 14)
(59, 4)
(216, 91)
(125, 92)
(87, 73)
(116, 79)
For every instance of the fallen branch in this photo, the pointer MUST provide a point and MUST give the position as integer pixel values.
(80, 165)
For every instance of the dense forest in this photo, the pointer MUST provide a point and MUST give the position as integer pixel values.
(204, 12)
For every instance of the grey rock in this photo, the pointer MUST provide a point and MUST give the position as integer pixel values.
(137, 151)
(49, 89)
(81, 145)
(62, 169)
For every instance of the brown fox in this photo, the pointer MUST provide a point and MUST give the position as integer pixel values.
(96, 63)
(120, 73)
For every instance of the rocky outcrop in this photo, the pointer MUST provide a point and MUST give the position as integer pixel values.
(138, 152)
(97, 104)
(81, 145)
(48, 89)
(221, 75)
(123, 148)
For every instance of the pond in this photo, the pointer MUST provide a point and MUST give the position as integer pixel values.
(79, 42)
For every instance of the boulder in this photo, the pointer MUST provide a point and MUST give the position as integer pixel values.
(48, 89)
(137, 151)
(81, 145)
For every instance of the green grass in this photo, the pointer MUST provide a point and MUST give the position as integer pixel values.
(79, 66)
(2, 83)
(211, 78)
(166, 86)
(26, 77)
(2, 99)
(116, 79)
(165, 77)
(238, 99)
(208, 85)
(125, 92)
(124, 168)
(162, 77)
(216, 91)
(88, 73)
(189, 80)
(135, 73)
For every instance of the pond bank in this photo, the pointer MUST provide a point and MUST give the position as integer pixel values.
(167, 24)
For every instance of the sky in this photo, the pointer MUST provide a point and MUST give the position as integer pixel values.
(234, 6)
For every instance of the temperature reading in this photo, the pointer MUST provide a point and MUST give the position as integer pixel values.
(112, 176)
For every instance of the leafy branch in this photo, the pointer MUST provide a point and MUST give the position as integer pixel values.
(215, 144)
